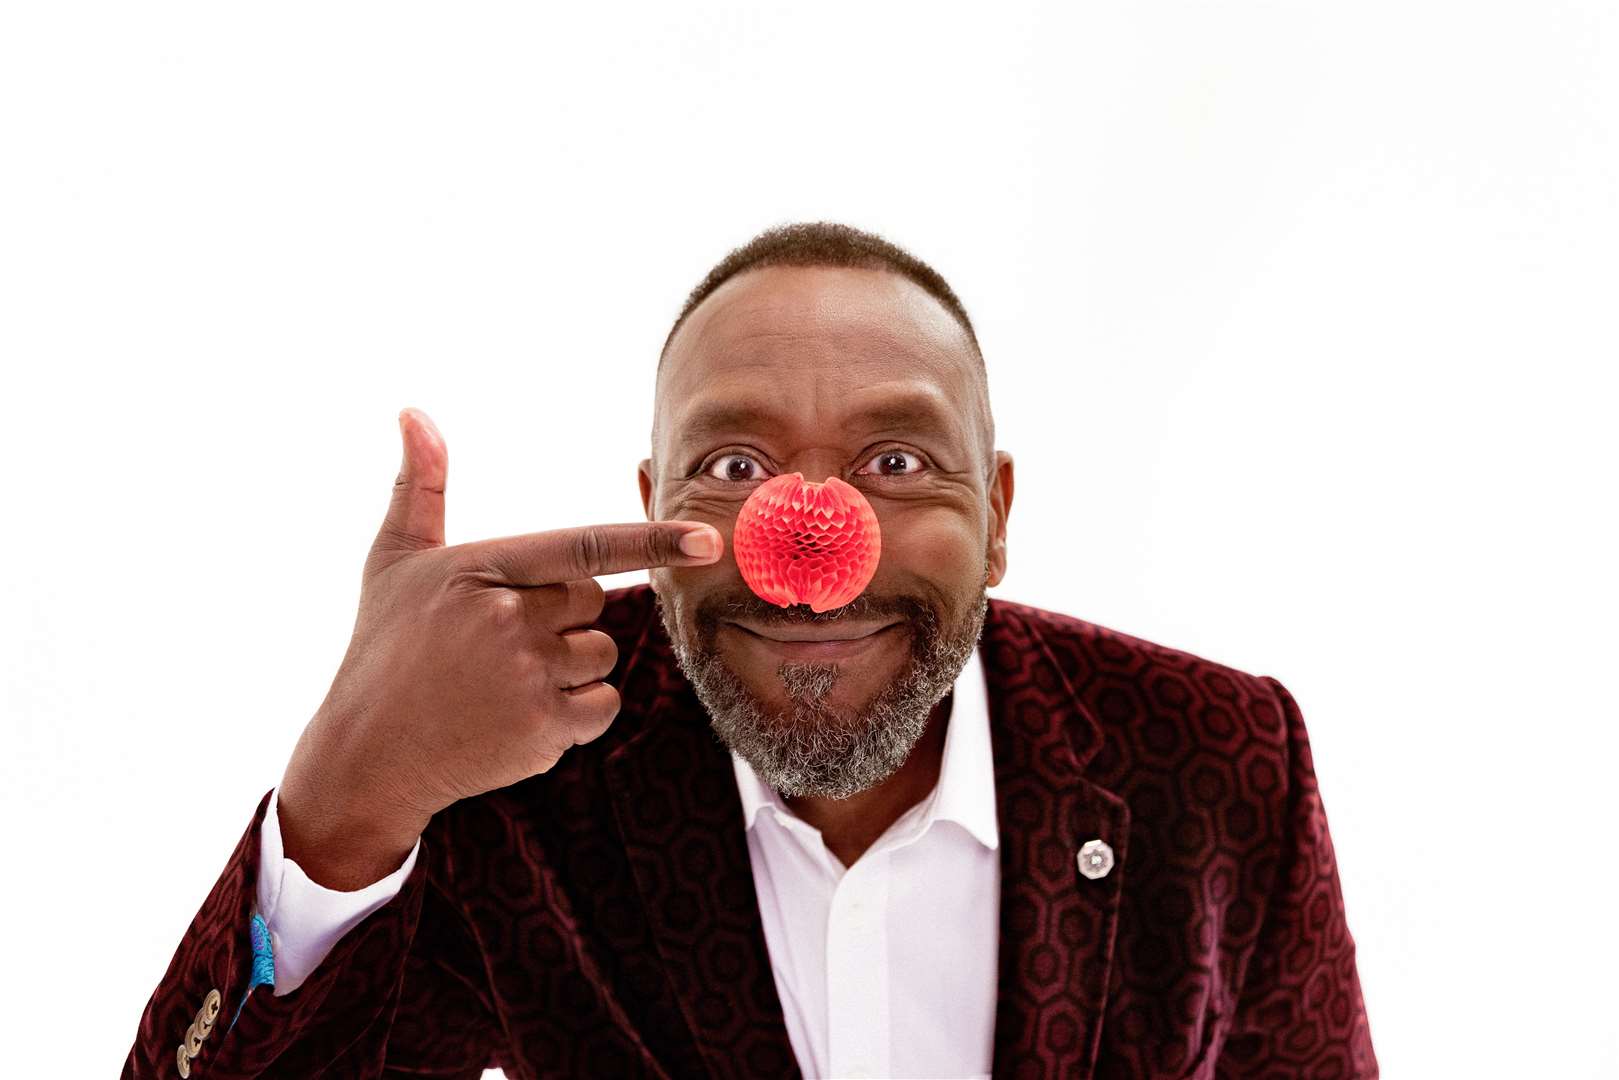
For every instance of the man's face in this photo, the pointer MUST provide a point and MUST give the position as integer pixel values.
(862, 375)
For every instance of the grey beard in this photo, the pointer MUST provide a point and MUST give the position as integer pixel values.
(814, 749)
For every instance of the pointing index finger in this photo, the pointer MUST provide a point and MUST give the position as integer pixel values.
(545, 558)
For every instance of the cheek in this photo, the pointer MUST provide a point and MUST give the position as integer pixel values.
(942, 548)
(694, 581)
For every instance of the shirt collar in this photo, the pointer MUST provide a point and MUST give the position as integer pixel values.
(965, 792)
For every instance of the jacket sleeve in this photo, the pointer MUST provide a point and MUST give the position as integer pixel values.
(304, 918)
(1299, 1012)
(402, 993)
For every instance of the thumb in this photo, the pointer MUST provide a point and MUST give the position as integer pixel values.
(415, 517)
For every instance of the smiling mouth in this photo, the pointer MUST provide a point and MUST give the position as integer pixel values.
(817, 633)
(818, 642)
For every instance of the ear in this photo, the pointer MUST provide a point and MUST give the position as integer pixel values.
(643, 474)
(1000, 506)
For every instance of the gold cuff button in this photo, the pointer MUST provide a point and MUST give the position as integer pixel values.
(210, 1007)
(201, 1027)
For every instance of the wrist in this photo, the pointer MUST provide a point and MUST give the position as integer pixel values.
(339, 836)
(339, 852)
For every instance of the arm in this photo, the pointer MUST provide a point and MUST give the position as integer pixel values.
(462, 677)
(1300, 1012)
(403, 984)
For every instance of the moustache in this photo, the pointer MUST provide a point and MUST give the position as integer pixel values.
(752, 608)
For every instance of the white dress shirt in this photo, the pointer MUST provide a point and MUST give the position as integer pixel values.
(886, 968)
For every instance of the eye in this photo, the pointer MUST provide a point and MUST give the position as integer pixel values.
(736, 467)
(895, 462)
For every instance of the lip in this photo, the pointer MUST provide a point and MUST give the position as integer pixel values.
(815, 641)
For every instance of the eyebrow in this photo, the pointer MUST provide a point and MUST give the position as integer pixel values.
(911, 412)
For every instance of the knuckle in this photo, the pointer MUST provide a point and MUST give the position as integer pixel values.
(600, 649)
(544, 659)
(590, 550)
(592, 598)
(598, 717)
(649, 547)
(581, 657)
(552, 703)
(529, 664)
(546, 600)
(655, 546)
(508, 608)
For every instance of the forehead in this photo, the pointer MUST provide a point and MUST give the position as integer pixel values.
(818, 338)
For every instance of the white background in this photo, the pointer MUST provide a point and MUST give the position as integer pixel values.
(1300, 327)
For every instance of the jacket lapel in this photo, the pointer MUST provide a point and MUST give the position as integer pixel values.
(1057, 926)
(676, 803)
(678, 812)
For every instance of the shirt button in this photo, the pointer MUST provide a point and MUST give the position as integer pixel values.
(1095, 859)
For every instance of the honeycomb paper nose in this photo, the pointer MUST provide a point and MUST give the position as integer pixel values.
(803, 543)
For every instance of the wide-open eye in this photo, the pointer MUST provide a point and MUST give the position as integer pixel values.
(894, 462)
(736, 466)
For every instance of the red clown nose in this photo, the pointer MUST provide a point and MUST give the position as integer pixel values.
(802, 543)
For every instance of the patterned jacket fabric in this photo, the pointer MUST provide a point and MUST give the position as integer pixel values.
(600, 919)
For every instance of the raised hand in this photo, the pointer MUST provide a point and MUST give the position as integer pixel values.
(470, 668)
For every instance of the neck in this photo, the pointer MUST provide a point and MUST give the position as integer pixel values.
(850, 826)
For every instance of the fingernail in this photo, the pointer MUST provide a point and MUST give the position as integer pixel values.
(700, 544)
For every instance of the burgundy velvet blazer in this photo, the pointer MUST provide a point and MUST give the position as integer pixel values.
(600, 919)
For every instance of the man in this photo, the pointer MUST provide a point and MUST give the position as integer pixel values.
(675, 830)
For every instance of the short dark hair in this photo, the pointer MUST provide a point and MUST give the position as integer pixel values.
(826, 243)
